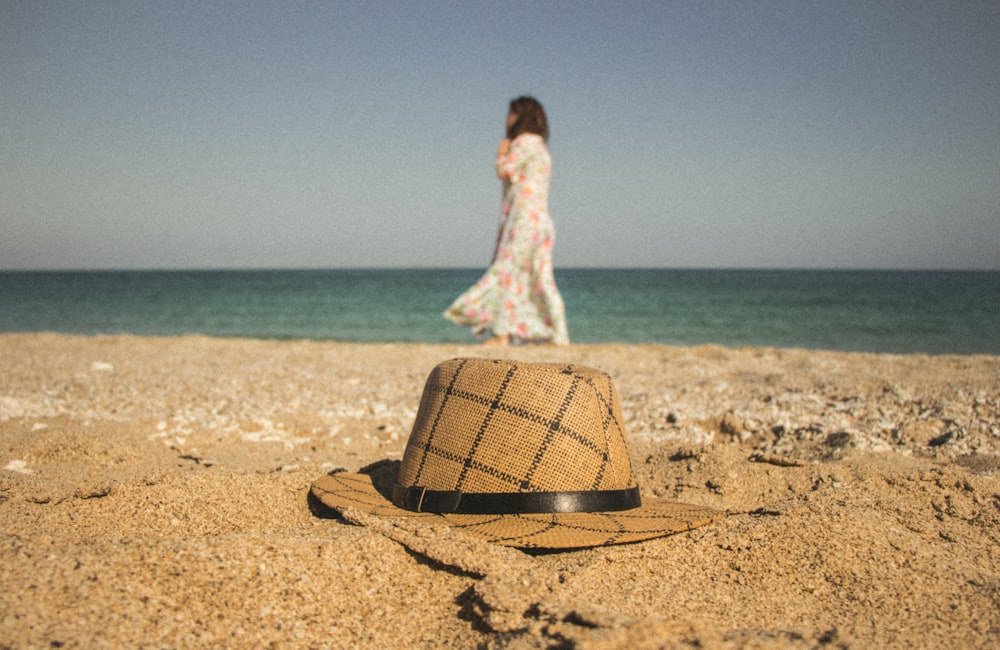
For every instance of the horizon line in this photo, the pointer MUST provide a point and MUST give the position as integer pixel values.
(283, 269)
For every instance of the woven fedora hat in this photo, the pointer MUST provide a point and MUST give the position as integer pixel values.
(523, 454)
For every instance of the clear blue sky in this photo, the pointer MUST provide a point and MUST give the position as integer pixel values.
(162, 134)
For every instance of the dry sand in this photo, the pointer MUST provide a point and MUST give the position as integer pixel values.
(154, 494)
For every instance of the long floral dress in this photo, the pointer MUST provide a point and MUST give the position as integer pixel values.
(517, 296)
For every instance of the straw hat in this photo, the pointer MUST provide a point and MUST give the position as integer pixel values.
(522, 454)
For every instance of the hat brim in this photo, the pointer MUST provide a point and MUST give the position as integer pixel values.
(341, 491)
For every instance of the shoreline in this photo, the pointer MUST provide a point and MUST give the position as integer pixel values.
(153, 492)
(468, 348)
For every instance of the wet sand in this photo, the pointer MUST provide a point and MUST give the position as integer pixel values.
(154, 493)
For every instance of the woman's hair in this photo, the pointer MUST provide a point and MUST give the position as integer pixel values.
(530, 118)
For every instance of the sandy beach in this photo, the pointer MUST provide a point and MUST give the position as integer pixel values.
(154, 493)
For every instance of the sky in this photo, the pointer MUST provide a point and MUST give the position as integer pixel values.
(743, 134)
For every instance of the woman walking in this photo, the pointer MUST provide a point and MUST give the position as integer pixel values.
(517, 300)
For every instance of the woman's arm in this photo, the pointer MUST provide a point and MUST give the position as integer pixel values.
(505, 165)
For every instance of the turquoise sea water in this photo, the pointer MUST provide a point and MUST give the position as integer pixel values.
(884, 311)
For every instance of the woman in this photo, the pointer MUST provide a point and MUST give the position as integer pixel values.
(517, 300)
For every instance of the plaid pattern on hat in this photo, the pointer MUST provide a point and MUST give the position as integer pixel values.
(501, 426)
(504, 429)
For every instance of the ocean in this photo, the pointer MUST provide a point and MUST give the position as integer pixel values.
(878, 311)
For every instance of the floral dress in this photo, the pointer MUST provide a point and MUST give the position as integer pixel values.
(517, 296)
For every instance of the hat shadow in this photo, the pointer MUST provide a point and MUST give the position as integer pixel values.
(383, 474)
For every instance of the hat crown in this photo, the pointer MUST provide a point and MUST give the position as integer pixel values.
(500, 426)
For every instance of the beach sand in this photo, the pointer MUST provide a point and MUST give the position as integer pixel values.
(154, 493)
